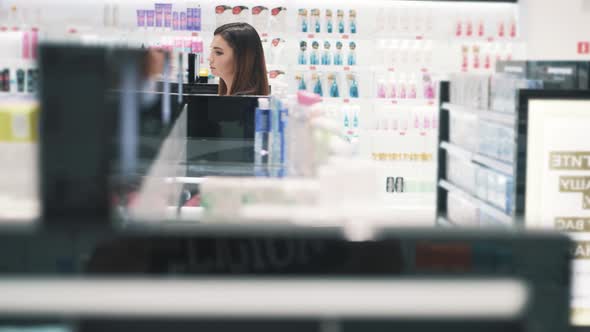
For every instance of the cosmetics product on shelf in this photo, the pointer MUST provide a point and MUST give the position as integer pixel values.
(352, 22)
(315, 22)
(314, 57)
(392, 88)
(278, 22)
(338, 57)
(260, 15)
(301, 85)
(5, 80)
(501, 32)
(34, 42)
(262, 133)
(351, 53)
(277, 47)
(428, 86)
(182, 21)
(159, 9)
(333, 83)
(352, 86)
(175, 21)
(340, 20)
(329, 21)
(150, 19)
(327, 54)
(197, 18)
(167, 15)
(32, 80)
(412, 93)
(141, 18)
(401, 88)
(381, 89)
(317, 85)
(223, 15)
(20, 80)
(240, 14)
(302, 21)
(302, 58)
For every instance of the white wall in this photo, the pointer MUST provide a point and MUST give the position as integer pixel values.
(552, 29)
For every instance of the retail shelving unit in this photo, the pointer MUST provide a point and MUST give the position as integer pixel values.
(482, 165)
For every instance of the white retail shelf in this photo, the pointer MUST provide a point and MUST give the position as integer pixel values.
(484, 114)
(457, 150)
(492, 163)
(482, 205)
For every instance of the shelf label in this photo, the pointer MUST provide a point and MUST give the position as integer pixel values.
(345, 36)
(582, 250)
(559, 71)
(311, 35)
(572, 224)
(513, 69)
(346, 68)
(313, 68)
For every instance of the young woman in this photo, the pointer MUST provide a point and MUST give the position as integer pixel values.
(238, 60)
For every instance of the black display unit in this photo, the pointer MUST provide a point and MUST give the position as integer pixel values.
(529, 272)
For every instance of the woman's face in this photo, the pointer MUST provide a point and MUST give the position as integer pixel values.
(221, 60)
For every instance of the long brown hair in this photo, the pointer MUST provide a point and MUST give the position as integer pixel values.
(250, 75)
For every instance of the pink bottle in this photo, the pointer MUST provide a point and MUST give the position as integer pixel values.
(392, 89)
(34, 42)
(381, 90)
(26, 44)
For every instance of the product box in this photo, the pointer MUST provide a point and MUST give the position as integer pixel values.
(19, 121)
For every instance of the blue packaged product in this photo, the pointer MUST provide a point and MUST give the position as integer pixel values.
(262, 118)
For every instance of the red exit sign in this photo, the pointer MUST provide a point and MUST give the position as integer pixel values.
(584, 47)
